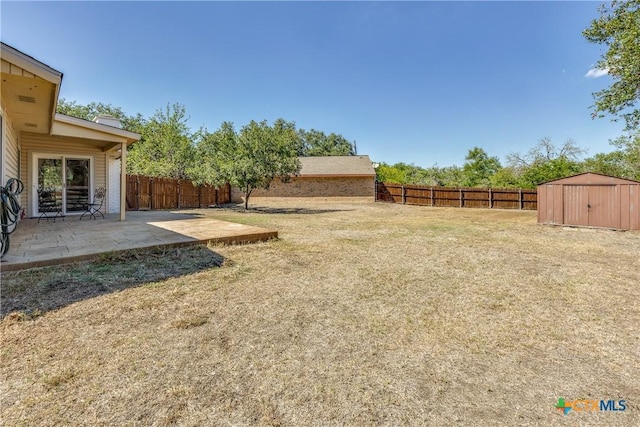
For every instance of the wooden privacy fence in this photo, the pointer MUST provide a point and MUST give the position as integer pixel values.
(502, 198)
(144, 192)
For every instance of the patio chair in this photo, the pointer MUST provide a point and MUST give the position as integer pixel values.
(49, 205)
(94, 207)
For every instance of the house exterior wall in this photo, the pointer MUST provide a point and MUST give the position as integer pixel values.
(113, 192)
(45, 144)
(10, 148)
(314, 187)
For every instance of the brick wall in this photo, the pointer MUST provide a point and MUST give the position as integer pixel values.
(314, 187)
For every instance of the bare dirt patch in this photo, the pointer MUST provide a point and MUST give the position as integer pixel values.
(361, 314)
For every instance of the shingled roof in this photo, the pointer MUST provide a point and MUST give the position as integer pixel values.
(336, 166)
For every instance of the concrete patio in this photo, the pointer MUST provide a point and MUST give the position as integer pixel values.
(41, 244)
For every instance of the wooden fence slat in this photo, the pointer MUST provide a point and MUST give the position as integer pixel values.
(145, 192)
(491, 198)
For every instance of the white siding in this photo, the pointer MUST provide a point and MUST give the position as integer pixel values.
(10, 147)
(45, 144)
(113, 195)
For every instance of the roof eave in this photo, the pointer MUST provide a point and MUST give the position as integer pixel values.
(37, 68)
(54, 106)
(32, 65)
(131, 137)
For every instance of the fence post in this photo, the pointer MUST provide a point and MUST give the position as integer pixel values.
(431, 196)
(178, 193)
(461, 201)
(404, 196)
(490, 199)
(520, 198)
(151, 193)
(137, 192)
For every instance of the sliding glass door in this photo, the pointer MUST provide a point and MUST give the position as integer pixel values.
(50, 186)
(76, 185)
(63, 184)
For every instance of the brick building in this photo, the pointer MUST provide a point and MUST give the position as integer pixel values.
(323, 177)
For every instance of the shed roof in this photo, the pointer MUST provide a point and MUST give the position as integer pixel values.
(319, 166)
(591, 178)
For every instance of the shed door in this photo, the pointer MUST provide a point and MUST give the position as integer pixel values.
(591, 205)
(576, 205)
(603, 206)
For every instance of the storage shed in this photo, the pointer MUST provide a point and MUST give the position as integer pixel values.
(590, 200)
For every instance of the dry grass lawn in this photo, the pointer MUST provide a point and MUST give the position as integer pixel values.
(361, 314)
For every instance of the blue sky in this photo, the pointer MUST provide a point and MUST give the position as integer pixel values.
(417, 82)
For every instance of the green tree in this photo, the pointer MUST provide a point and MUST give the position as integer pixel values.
(317, 143)
(612, 164)
(166, 148)
(557, 168)
(451, 176)
(479, 167)
(252, 158)
(546, 162)
(209, 150)
(618, 28)
(505, 178)
(429, 176)
(545, 150)
(629, 146)
(401, 173)
(389, 173)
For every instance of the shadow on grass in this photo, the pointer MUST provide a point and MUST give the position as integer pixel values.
(277, 210)
(33, 292)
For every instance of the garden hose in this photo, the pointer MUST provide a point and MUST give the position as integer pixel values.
(9, 211)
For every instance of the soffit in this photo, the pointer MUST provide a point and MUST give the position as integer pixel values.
(28, 99)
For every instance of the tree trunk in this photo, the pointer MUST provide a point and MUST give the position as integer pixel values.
(247, 193)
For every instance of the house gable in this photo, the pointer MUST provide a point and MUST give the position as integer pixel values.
(29, 91)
